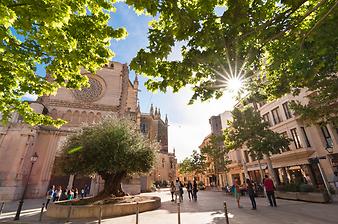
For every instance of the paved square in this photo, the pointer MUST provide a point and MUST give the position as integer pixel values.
(207, 210)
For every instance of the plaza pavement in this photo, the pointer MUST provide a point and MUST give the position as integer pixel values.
(207, 210)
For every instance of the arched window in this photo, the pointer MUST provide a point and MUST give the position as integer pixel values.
(83, 117)
(76, 117)
(68, 116)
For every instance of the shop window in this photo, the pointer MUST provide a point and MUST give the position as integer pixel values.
(275, 116)
(287, 111)
(295, 138)
(266, 118)
(305, 137)
(327, 136)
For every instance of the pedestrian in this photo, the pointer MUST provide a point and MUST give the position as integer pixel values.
(50, 194)
(70, 194)
(87, 190)
(237, 192)
(181, 190)
(251, 192)
(194, 189)
(270, 190)
(177, 190)
(189, 189)
(172, 190)
(82, 193)
(76, 193)
(58, 194)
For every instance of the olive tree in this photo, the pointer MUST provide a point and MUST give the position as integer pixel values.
(113, 149)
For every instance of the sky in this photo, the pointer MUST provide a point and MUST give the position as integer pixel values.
(188, 124)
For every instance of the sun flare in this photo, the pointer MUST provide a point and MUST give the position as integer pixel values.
(234, 84)
(232, 80)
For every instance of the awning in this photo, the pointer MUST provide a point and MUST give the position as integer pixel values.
(291, 158)
(256, 167)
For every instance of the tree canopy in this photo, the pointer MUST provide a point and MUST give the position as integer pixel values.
(216, 151)
(61, 36)
(194, 164)
(280, 46)
(113, 149)
(248, 128)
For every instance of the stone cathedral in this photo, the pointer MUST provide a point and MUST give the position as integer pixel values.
(110, 93)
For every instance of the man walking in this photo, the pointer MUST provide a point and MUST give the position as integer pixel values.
(194, 190)
(50, 194)
(270, 190)
(251, 192)
(189, 189)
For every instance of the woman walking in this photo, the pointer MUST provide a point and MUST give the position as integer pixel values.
(251, 192)
(237, 192)
(172, 190)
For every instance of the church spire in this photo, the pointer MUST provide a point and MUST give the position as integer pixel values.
(151, 109)
(138, 106)
(166, 119)
(136, 82)
(155, 111)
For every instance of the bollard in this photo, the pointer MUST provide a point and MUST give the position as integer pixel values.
(40, 217)
(69, 212)
(226, 213)
(179, 212)
(2, 207)
(137, 211)
(100, 214)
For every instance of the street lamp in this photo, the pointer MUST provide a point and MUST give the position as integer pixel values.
(18, 211)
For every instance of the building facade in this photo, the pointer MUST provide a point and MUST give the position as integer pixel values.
(295, 163)
(110, 93)
(152, 126)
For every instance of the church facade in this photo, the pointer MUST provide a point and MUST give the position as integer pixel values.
(154, 128)
(110, 93)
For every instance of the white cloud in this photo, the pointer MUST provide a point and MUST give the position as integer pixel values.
(30, 97)
(189, 124)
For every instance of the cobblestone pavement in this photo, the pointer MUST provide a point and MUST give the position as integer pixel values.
(207, 210)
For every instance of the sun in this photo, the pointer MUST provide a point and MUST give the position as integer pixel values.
(234, 84)
(232, 80)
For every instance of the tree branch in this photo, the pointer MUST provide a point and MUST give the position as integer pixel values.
(291, 26)
(282, 16)
(18, 5)
(318, 22)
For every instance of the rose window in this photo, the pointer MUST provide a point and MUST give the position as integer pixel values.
(91, 93)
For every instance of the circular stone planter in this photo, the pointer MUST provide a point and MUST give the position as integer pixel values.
(58, 210)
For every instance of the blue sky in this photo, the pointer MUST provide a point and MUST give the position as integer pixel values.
(188, 124)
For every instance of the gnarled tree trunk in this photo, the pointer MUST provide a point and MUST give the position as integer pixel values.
(112, 184)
